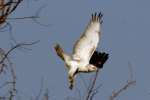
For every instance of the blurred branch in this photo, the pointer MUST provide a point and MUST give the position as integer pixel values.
(72, 98)
(83, 81)
(98, 59)
(125, 87)
(129, 83)
(91, 91)
(38, 15)
(4, 84)
(6, 8)
(3, 56)
(41, 90)
(46, 95)
(16, 46)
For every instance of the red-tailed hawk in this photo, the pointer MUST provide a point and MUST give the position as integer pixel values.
(83, 50)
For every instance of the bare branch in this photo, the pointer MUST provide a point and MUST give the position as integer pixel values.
(125, 87)
(129, 83)
(5, 84)
(3, 56)
(38, 14)
(72, 98)
(46, 95)
(98, 59)
(41, 89)
(6, 8)
(83, 81)
(91, 87)
(16, 46)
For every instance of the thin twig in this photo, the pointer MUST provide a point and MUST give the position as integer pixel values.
(90, 90)
(5, 84)
(12, 91)
(125, 87)
(46, 95)
(28, 17)
(41, 89)
(16, 46)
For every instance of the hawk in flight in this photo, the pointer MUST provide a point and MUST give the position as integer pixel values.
(84, 55)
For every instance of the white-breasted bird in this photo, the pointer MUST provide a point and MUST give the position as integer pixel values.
(82, 50)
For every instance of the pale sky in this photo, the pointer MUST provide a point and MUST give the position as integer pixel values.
(125, 36)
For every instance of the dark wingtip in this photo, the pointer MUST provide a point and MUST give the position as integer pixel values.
(92, 16)
(99, 58)
(100, 15)
(97, 17)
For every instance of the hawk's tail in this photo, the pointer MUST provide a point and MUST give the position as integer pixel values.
(59, 51)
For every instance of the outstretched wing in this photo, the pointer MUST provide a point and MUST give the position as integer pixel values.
(86, 45)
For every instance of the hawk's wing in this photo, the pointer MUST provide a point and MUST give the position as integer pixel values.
(86, 45)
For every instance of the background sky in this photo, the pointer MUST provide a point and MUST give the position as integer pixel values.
(125, 36)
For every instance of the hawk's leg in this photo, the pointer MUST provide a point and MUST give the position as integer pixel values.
(71, 82)
(71, 76)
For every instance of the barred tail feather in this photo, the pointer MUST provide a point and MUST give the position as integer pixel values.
(59, 51)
